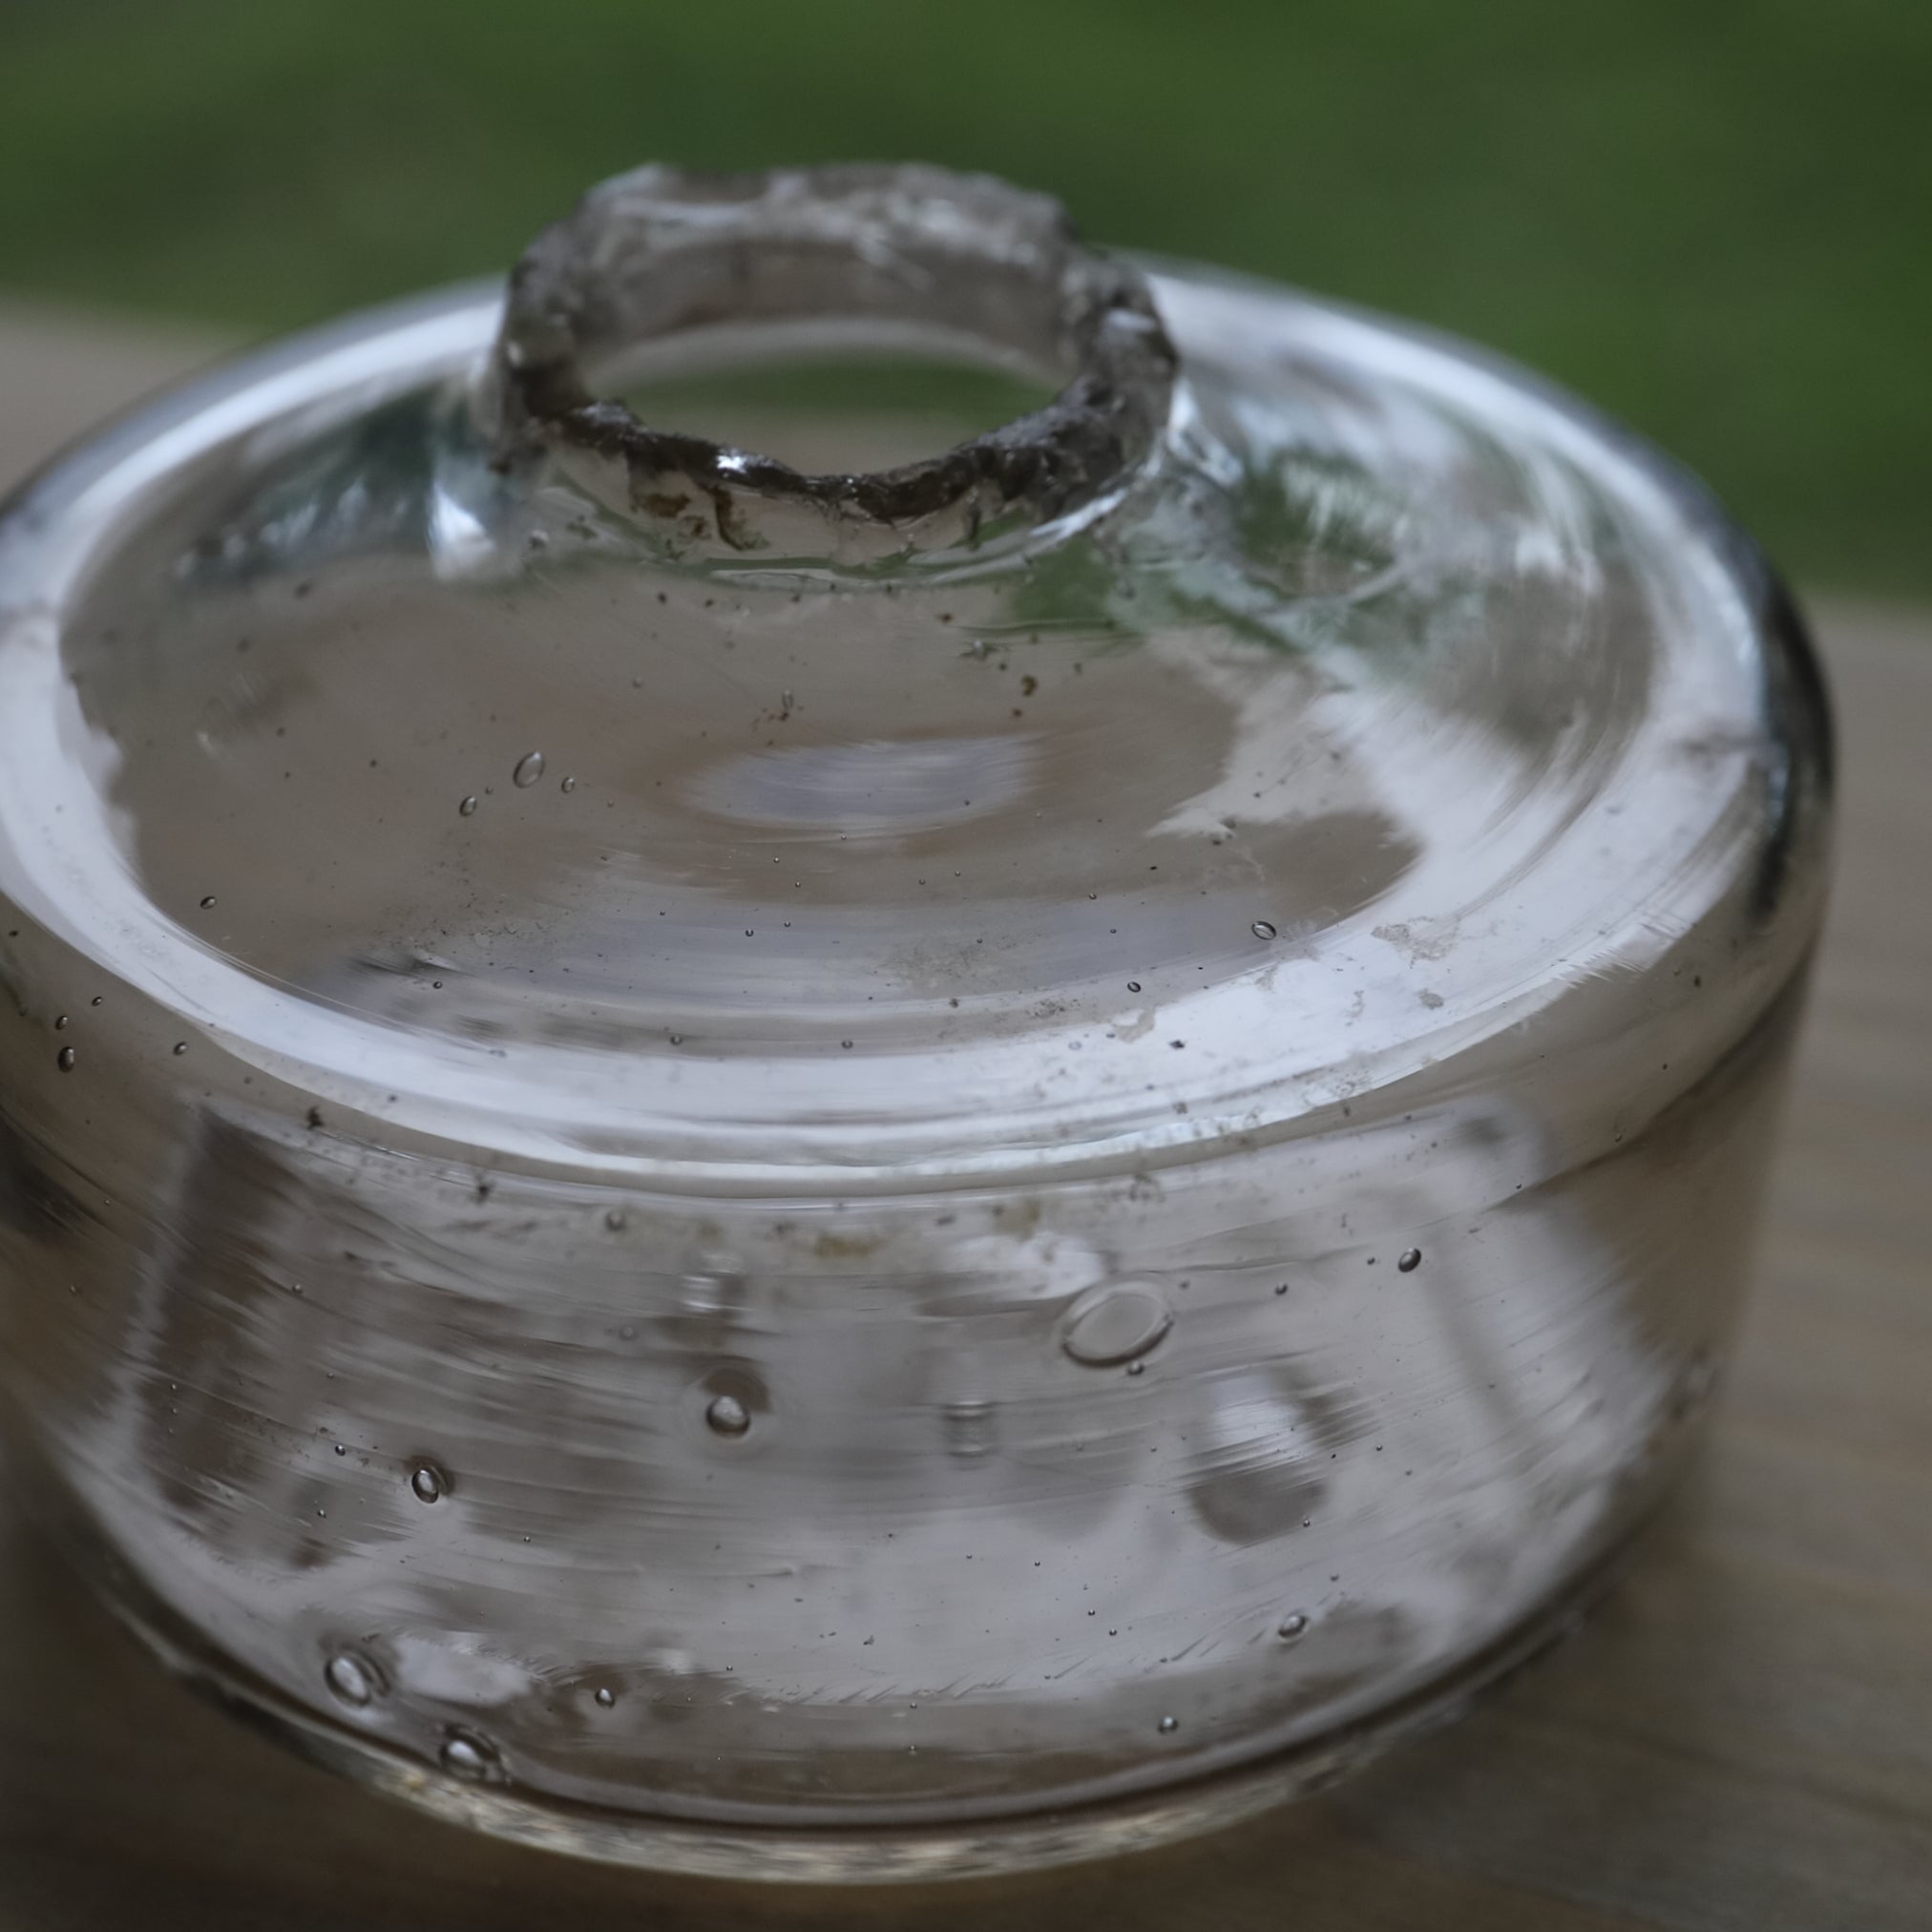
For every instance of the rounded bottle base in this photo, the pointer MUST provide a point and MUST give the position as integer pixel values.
(886, 1853)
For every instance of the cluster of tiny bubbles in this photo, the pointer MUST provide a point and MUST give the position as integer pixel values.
(727, 1416)
(1291, 1627)
(1409, 1260)
(350, 1678)
(1262, 930)
(470, 1755)
(428, 1484)
(529, 770)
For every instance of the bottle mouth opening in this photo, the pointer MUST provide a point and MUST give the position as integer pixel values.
(883, 255)
(826, 398)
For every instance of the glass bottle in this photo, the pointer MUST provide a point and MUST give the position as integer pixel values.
(898, 1166)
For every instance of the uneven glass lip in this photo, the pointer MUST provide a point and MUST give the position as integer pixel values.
(661, 252)
(599, 1127)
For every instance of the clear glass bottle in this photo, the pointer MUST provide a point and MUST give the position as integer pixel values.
(891, 1168)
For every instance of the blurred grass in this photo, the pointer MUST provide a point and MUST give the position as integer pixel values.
(1714, 217)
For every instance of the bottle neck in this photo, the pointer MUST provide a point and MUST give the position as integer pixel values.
(660, 253)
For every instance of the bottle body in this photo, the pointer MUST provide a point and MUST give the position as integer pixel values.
(1198, 1216)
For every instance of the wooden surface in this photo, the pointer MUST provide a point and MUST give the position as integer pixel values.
(1742, 1737)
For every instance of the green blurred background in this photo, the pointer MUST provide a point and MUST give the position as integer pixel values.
(1713, 218)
